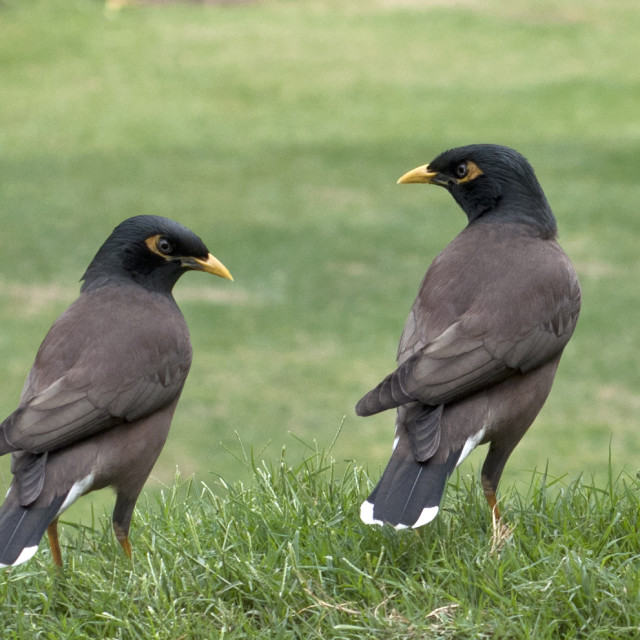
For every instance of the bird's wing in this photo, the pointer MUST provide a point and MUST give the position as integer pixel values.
(70, 409)
(94, 371)
(471, 354)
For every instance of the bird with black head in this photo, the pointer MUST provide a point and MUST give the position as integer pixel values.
(97, 404)
(482, 343)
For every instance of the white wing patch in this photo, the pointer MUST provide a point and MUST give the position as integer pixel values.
(471, 443)
(79, 488)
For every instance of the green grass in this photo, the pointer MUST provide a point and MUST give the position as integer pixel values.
(277, 130)
(287, 557)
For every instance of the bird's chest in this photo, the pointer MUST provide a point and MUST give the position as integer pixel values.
(99, 334)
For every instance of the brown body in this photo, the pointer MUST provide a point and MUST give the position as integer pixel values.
(538, 287)
(101, 369)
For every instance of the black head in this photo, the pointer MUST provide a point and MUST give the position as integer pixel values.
(153, 252)
(490, 183)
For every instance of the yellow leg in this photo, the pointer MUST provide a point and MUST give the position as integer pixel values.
(123, 539)
(493, 505)
(52, 534)
(126, 546)
(501, 531)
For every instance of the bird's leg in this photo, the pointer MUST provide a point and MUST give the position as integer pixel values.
(54, 544)
(490, 495)
(126, 546)
(501, 531)
(123, 539)
(490, 476)
(492, 472)
(122, 512)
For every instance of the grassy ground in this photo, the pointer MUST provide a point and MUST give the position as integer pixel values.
(288, 558)
(277, 130)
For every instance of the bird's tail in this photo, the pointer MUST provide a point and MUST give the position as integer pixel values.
(21, 528)
(409, 492)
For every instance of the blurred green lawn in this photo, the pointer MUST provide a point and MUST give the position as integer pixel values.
(276, 130)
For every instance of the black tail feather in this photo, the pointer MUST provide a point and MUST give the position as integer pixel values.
(409, 492)
(424, 430)
(21, 528)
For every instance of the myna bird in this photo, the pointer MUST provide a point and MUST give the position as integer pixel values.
(484, 337)
(97, 404)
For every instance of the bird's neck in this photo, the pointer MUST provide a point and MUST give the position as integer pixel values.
(534, 214)
(157, 282)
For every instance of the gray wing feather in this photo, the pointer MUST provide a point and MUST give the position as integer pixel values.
(118, 372)
(459, 361)
(60, 415)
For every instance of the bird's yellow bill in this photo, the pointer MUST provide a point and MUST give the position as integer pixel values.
(419, 174)
(211, 264)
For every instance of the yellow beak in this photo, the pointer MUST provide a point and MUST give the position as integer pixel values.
(419, 174)
(210, 264)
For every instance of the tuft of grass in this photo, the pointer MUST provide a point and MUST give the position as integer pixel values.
(286, 556)
(276, 130)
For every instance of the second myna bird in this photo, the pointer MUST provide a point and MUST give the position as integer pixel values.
(484, 337)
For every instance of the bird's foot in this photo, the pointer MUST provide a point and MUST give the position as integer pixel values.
(501, 534)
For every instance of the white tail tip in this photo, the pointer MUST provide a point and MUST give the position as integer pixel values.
(26, 554)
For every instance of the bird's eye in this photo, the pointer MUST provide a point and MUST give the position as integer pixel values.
(462, 170)
(164, 245)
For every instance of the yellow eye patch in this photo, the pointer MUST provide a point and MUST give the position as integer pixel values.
(152, 244)
(473, 171)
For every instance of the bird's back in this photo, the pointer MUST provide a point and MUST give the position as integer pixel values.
(112, 334)
(500, 280)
